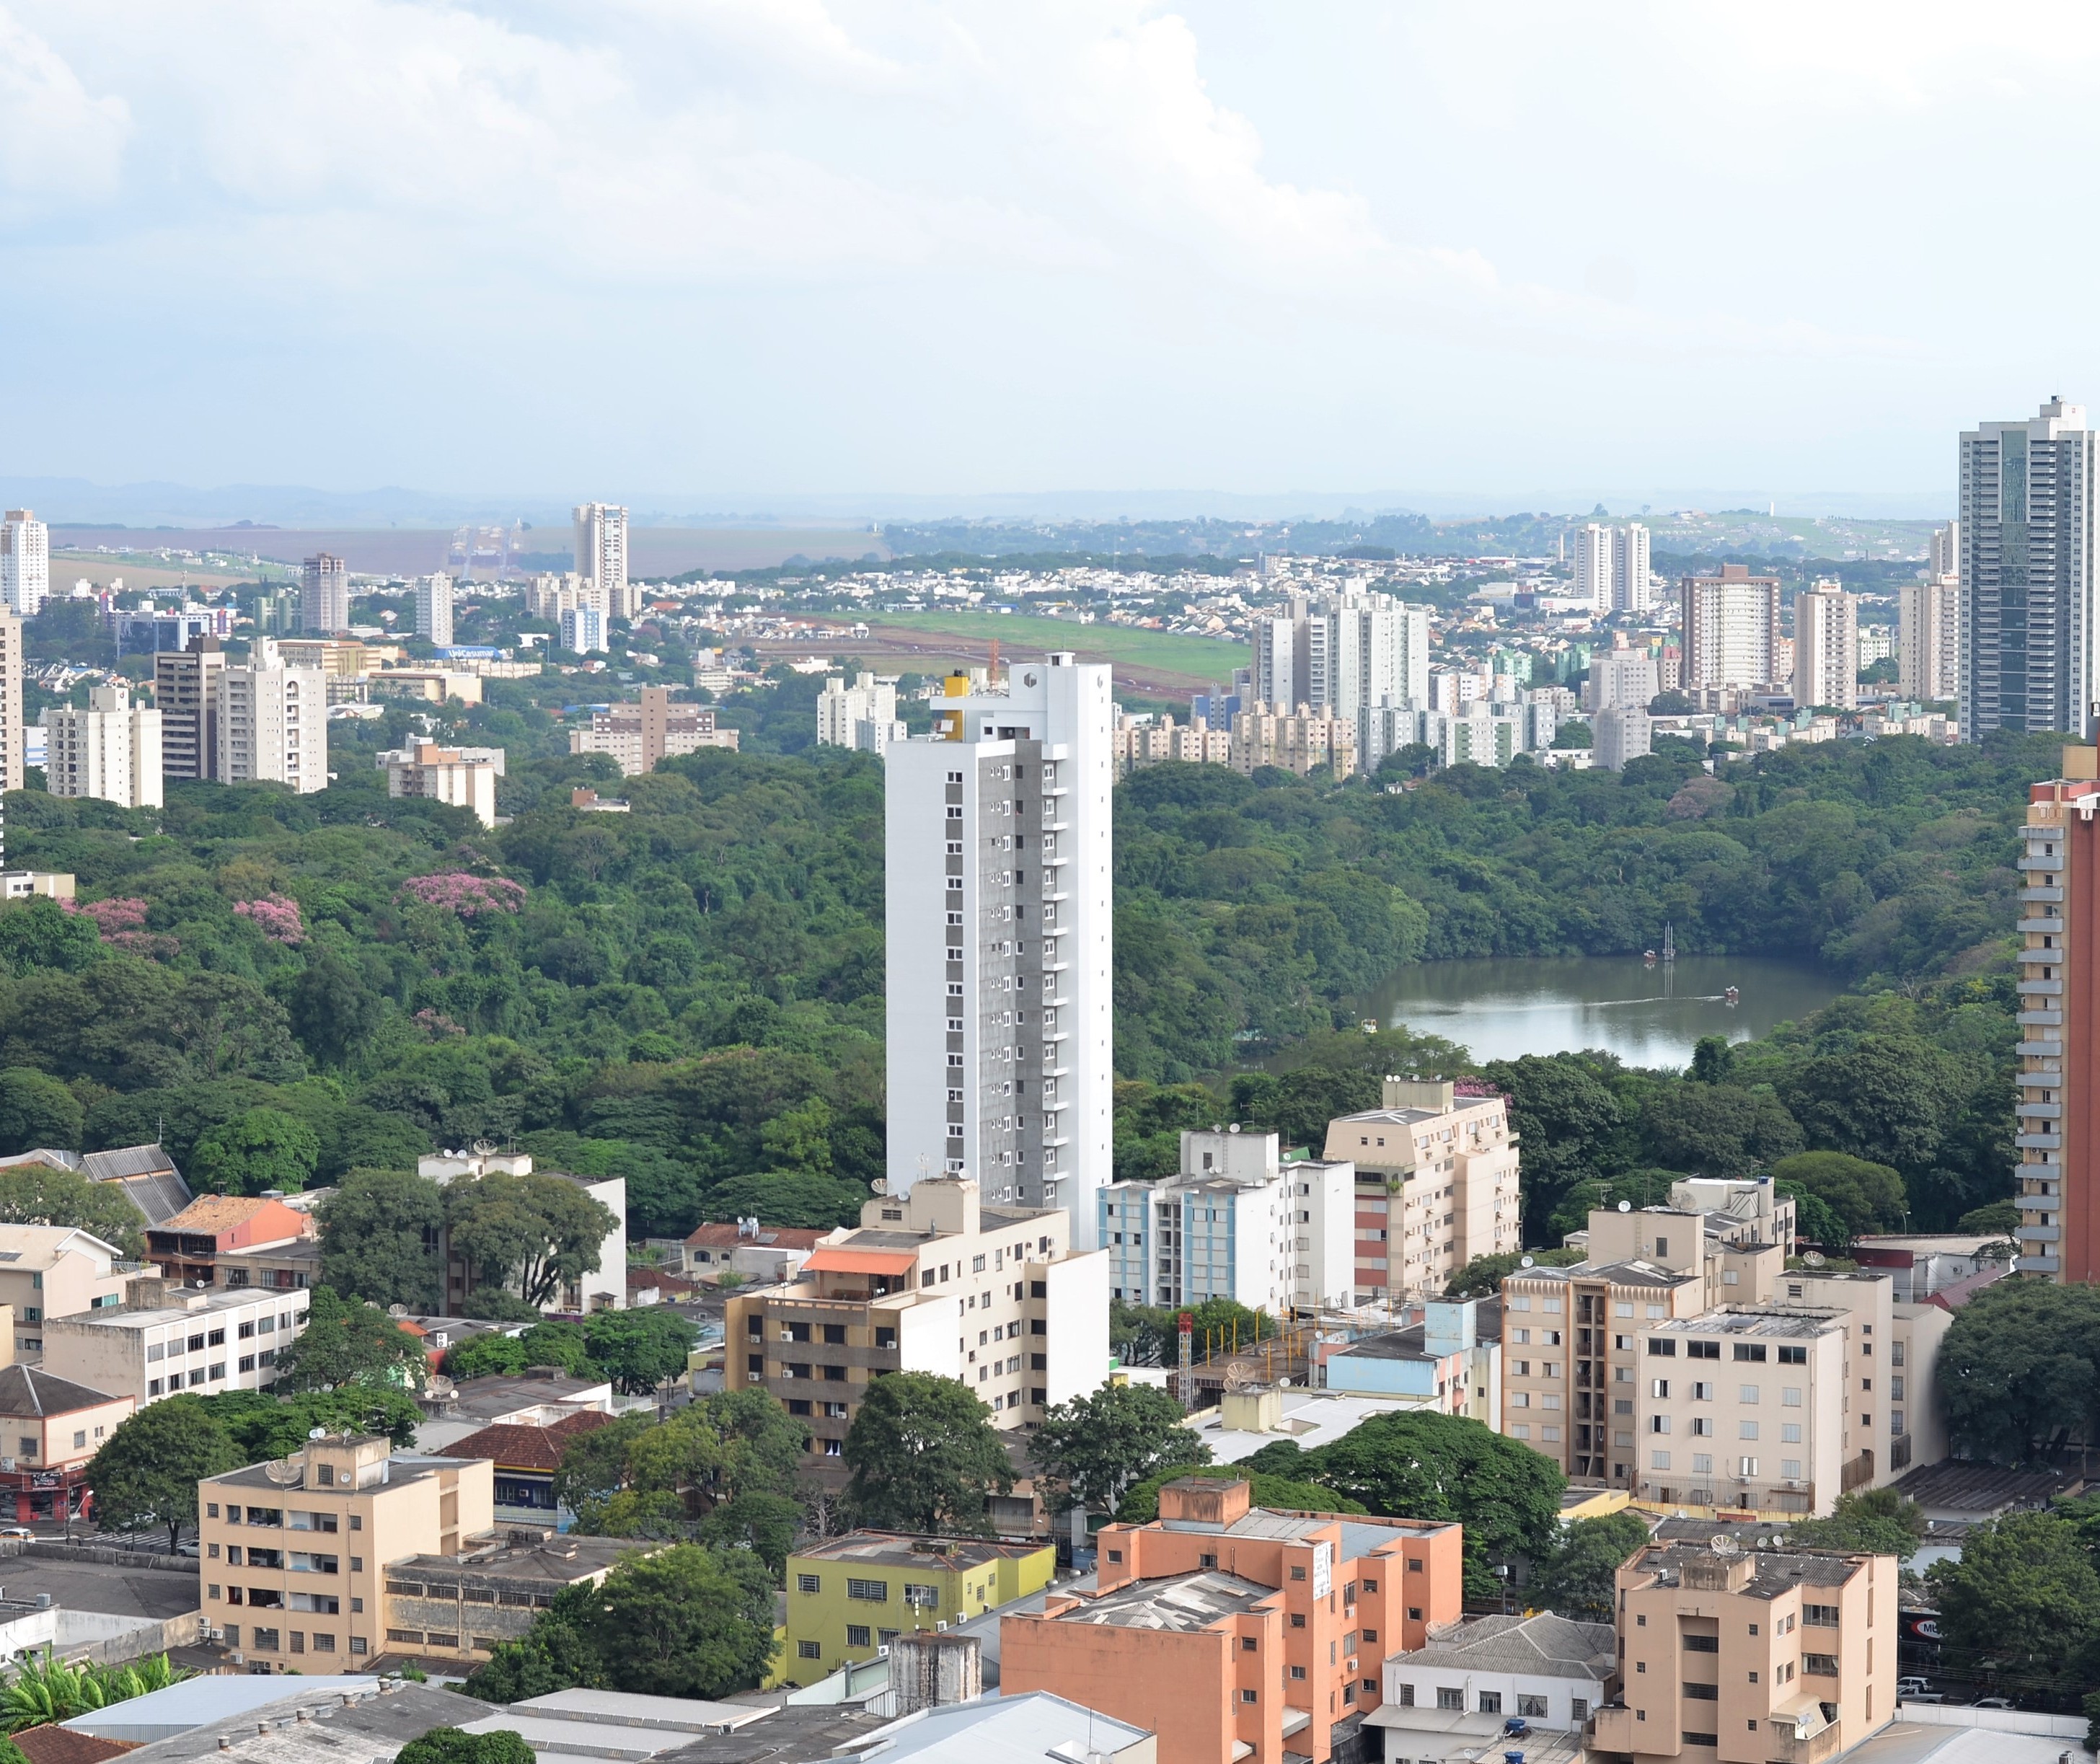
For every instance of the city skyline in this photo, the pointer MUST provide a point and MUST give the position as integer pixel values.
(1357, 252)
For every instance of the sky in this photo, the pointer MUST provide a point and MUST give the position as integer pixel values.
(859, 253)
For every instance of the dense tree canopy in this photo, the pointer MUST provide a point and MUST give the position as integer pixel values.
(922, 1455)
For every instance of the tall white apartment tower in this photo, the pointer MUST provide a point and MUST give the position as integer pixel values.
(272, 722)
(1592, 566)
(111, 749)
(25, 563)
(999, 928)
(434, 609)
(1929, 637)
(601, 555)
(2027, 520)
(1826, 647)
(1629, 569)
(12, 763)
(324, 594)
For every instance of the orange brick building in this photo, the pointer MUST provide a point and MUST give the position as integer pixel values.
(1222, 1625)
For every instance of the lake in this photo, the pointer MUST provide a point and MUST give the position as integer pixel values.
(1502, 1007)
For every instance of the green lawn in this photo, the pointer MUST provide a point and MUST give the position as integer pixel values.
(1169, 652)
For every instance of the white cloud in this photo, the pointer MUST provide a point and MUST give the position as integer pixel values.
(57, 141)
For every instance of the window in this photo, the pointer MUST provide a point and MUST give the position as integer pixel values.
(873, 1592)
(1491, 1702)
(1405, 1699)
(1820, 1665)
(1658, 1460)
(1700, 1739)
(1297, 1672)
(1532, 1706)
(1702, 1693)
(857, 1636)
(1246, 1696)
(1452, 1698)
(1578, 1708)
(1752, 1351)
(1819, 1616)
(1746, 1430)
(807, 1583)
(808, 1651)
(1663, 1348)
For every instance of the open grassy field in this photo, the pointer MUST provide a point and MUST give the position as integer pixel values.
(1162, 662)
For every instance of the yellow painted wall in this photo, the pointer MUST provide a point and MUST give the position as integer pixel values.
(824, 1616)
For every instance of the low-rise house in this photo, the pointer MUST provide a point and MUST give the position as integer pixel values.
(49, 1429)
(54, 1271)
(1451, 1360)
(1450, 1699)
(535, 1399)
(756, 1253)
(146, 1173)
(236, 1241)
(850, 1597)
(525, 1456)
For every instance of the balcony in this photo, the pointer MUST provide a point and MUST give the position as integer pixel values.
(2039, 1050)
(2044, 988)
(2036, 1264)
(2039, 1142)
(2040, 1019)
(2050, 864)
(2039, 1111)
(2039, 894)
(2044, 926)
(1800, 1745)
(2038, 1203)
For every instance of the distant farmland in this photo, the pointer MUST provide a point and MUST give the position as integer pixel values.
(1160, 662)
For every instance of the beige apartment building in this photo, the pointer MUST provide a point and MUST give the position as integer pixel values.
(1274, 734)
(347, 1555)
(1749, 1657)
(933, 1281)
(1437, 1185)
(638, 733)
(463, 777)
(1684, 1362)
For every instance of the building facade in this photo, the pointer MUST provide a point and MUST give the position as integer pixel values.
(110, 749)
(1239, 1635)
(601, 537)
(602, 1287)
(324, 595)
(54, 1271)
(862, 715)
(1620, 676)
(14, 753)
(1624, 732)
(464, 777)
(850, 1596)
(1548, 1671)
(169, 1341)
(272, 722)
(1592, 566)
(434, 609)
(1000, 1022)
(25, 565)
(934, 1280)
(1747, 1655)
(186, 692)
(2026, 526)
(1826, 647)
(1929, 637)
(1238, 1222)
(50, 1428)
(2057, 1130)
(638, 733)
(1731, 629)
(1436, 1184)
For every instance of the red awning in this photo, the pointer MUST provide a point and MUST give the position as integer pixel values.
(843, 1259)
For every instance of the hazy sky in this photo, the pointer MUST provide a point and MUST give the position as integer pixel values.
(730, 248)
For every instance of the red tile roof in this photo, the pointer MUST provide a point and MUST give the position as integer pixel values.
(726, 1236)
(62, 1745)
(520, 1446)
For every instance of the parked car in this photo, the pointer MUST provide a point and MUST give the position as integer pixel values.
(1910, 1689)
(22, 1533)
(1992, 1702)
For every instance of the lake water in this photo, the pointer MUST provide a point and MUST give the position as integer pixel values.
(1501, 1008)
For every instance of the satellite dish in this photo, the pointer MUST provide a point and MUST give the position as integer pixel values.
(1237, 1378)
(1725, 1545)
(1814, 1258)
(1626, 1206)
(284, 1472)
(317, 1433)
(483, 1148)
(1525, 1263)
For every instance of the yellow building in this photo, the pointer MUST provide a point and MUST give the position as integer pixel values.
(850, 1596)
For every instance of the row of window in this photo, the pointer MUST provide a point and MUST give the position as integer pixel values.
(295, 1561)
(297, 1520)
(1702, 1427)
(1454, 1697)
(1664, 1348)
(269, 1641)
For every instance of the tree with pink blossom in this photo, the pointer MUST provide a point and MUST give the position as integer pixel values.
(275, 917)
(465, 895)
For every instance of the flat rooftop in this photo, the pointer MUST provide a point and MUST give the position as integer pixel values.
(1181, 1602)
(1310, 1418)
(1795, 1324)
(1774, 1572)
(226, 1709)
(900, 1549)
(115, 1589)
(557, 1562)
(1629, 1274)
(402, 1466)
